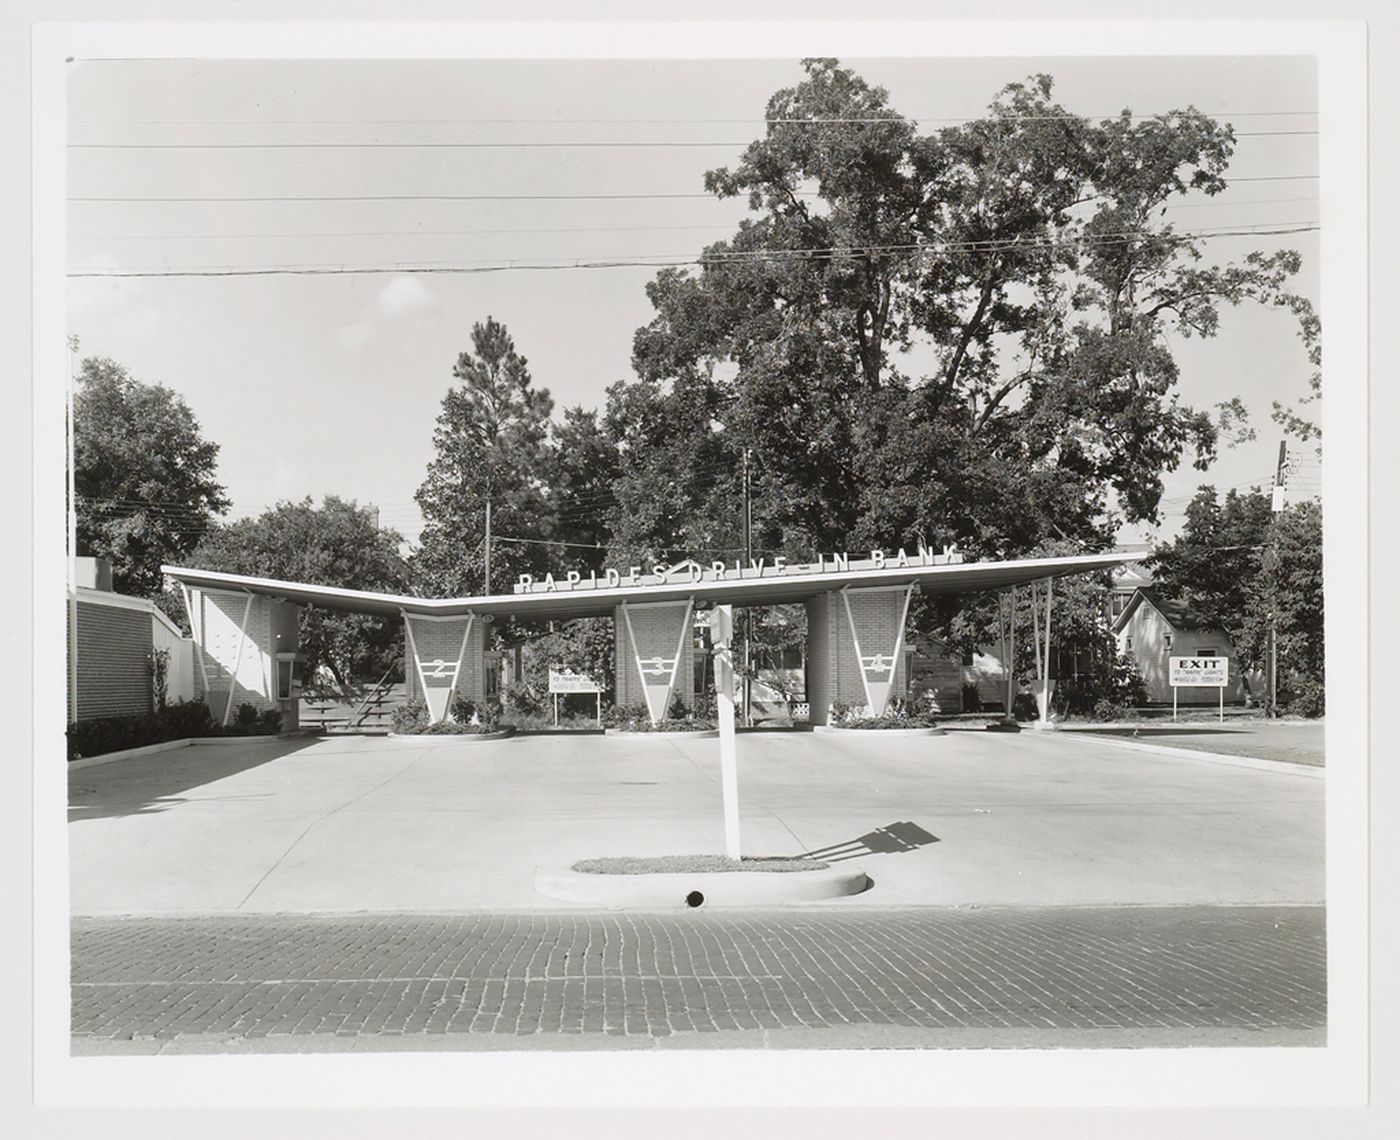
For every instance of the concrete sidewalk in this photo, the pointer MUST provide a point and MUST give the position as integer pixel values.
(348, 824)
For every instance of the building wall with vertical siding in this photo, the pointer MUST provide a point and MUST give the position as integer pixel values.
(114, 658)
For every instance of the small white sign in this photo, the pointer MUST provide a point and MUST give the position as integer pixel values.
(1203, 672)
(570, 682)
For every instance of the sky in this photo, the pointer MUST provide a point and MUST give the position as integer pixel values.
(331, 383)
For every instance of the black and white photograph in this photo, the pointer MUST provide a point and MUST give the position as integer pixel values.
(576, 562)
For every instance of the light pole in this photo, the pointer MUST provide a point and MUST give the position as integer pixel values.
(748, 561)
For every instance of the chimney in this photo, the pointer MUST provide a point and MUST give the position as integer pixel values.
(93, 573)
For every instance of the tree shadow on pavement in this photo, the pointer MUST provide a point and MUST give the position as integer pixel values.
(891, 839)
(147, 784)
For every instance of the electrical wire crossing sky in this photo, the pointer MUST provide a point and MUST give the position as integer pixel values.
(300, 248)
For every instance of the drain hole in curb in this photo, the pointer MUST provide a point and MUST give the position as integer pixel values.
(695, 898)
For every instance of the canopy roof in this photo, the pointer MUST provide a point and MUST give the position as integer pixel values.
(586, 601)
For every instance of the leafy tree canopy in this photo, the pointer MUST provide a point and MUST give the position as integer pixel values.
(1214, 562)
(960, 336)
(490, 448)
(336, 544)
(144, 475)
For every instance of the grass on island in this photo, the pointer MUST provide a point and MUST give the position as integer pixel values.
(691, 864)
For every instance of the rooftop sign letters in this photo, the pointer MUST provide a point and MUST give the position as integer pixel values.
(692, 571)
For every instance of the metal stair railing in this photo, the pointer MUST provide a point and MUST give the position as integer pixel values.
(374, 695)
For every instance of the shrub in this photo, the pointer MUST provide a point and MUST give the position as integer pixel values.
(1307, 697)
(521, 697)
(411, 716)
(182, 720)
(898, 714)
(462, 710)
(411, 719)
(246, 715)
(636, 718)
(189, 719)
(1105, 708)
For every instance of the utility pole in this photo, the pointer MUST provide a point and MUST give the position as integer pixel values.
(1280, 482)
(748, 616)
(486, 586)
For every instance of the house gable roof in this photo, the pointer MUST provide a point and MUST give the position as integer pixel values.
(1178, 614)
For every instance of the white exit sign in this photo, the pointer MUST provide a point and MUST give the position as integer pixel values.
(1208, 672)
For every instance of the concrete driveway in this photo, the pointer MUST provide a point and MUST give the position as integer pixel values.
(342, 824)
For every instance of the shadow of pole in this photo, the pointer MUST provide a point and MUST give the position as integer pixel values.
(891, 839)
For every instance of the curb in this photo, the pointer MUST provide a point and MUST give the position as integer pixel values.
(1284, 766)
(446, 737)
(879, 733)
(705, 888)
(687, 734)
(171, 745)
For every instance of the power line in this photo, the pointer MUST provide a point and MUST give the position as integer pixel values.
(618, 197)
(494, 231)
(660, 261)
(589, 144)
(411, 233)
(751, 119)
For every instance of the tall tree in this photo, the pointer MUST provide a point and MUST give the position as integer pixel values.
(335, 544)
(1215, 562)
(144, 475)
(581, 473)
(490, 444)
(1285, 609)
(961, 335)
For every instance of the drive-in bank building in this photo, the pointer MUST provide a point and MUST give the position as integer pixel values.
(245, 628)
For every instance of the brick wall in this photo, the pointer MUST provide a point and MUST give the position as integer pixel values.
(249, 669)
(659, 627)
(833, 668)
(441, 640)
(114, 671)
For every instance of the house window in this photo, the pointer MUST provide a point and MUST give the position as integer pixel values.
(1167, 642)
(1207, 651)
(1129, 645)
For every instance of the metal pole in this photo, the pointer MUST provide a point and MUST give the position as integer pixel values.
(72, 547)
(486, 587)
(748, 560)
(1173, 702)
(721, 636)
(1011, 657)
(1044, 721)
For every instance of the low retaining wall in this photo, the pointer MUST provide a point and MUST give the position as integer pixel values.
(704, 888)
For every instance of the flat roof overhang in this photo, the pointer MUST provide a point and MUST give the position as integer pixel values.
(586, 601)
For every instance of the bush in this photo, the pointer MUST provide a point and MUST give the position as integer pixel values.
(1106, 709)
(411, 716)
(182, 720)
(1307, 697)
(1109, 690)
(636, 718)
(521, 697)
(898, 714)
(411, 719)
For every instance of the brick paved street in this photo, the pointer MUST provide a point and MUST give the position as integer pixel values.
(809, 977)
